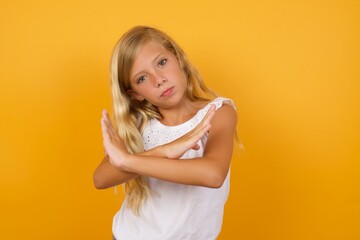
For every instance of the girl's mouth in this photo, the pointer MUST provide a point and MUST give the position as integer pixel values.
(167, 92)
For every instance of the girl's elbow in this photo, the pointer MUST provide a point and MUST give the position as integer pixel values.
(216, 180)
(99, 183)
(99, 186)
(218, 183)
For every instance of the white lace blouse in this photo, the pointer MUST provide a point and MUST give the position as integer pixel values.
(175, 211)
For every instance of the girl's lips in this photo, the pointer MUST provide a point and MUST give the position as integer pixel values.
(167, 92)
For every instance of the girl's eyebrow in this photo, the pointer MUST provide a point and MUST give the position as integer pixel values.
(153, 61)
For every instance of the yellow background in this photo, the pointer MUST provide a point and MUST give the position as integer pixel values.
(292, 68)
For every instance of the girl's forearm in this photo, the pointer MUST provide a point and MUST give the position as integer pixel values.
(106, 175)
(197, 171)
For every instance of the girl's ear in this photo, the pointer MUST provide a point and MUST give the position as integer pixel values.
(135, 95)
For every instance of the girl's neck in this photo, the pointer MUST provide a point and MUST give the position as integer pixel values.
(181, 113)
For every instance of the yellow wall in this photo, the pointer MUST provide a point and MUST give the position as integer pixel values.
(292, 67)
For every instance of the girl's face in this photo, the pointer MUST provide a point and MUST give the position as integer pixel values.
(157, 77)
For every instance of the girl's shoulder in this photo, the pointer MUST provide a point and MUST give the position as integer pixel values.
(200, 112)
(219, 102)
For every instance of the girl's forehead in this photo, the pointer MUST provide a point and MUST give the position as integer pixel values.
(146, 55)
(149, 48)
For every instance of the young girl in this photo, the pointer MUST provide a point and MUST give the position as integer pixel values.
(166, 144)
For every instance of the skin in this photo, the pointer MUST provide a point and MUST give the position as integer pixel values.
(157, 77)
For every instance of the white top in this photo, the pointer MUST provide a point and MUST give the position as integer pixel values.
(175, 211)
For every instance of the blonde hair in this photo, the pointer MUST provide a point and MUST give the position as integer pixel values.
(131, 115)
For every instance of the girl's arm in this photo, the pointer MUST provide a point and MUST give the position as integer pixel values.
(209, 170)
(108, 175)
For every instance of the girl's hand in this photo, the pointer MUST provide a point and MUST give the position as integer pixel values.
(178, 147)
(114, 145)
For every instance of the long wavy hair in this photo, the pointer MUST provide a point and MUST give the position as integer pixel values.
(130, 115)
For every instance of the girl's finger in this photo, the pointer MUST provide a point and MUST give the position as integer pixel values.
(207, 119)
(210, 114)
(105, 116)
(104, 130)
(108, 122)
(104, 126)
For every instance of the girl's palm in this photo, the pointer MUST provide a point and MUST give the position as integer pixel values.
(113, 144)
(178, 147)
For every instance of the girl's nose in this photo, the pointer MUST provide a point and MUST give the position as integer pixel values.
(160, 81)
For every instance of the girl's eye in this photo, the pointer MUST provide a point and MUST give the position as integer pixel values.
(140, 79)
(162, 62)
